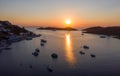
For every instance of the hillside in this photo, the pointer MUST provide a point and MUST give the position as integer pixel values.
(7, 30)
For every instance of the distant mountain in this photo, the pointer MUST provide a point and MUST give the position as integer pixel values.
(56, 28)
(111, 31)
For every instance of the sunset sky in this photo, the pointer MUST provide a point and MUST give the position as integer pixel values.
(82, 13)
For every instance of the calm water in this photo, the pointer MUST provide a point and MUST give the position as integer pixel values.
(70, 62)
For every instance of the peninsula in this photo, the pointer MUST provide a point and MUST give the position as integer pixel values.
(113, 31)
(10, 33)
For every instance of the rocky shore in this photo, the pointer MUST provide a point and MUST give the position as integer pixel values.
(10, 33)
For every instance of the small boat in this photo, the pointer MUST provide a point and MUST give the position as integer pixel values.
(82, 53)
(0, 51)
(49, 69)
(35, 53)
(28, 38)
(44, 41)
(38, 35)
(82, 34)
(8, 48)
(93, 56)
(30, 66)
(42, 44)
(102, 36)
(54, 55)
(37, 50)
(54, 30)
(86, 47)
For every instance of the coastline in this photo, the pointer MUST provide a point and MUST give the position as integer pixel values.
(10, 33)
(113, 31)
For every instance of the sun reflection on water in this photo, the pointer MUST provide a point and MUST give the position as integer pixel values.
(69, 50)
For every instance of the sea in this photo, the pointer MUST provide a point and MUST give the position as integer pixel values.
(67, 45)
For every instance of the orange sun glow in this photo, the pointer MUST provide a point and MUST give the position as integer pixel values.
(68, 22)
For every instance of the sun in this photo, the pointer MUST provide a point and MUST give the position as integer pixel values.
(68, 22)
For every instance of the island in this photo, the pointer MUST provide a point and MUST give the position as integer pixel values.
(56, 28)
(113, 31)
(10, 33)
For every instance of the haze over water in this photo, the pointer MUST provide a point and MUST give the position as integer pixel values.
(69, 62)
